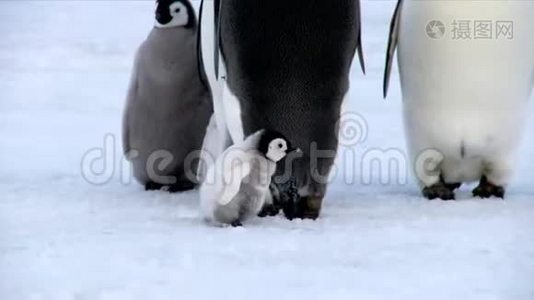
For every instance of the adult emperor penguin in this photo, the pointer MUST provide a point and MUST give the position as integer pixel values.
(168, 107)
(236, 185)
(467, 71)
(284, 65)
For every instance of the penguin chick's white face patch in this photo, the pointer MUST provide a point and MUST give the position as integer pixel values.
(178, 16)
(277, 149)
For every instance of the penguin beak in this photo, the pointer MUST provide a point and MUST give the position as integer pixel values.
(296, 150)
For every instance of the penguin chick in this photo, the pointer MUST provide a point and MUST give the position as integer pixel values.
(168, 107)
(237, 184)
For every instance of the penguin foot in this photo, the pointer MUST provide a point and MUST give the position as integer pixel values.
(286, 198)
(152, 186)
(487, 189)
(290, 210)
(450, 186)
(310, 207)
(236, 223)
(304, 208)
(269, 210)
(181, 186)
(439, 190)
(453, 186)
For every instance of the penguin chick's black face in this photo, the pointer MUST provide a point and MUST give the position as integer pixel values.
(174, 13)
(274, 145)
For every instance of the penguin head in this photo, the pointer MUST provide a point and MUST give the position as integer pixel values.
(274, 146)
(174, 13)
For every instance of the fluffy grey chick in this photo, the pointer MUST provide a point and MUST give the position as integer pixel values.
(168, 106)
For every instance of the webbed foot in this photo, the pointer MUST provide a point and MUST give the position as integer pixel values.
(439, 190)
(236, 223)
(181, 186)
(152, 186)
(487, 189)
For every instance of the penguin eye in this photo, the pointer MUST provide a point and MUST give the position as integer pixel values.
(280, 145)
(177, 10)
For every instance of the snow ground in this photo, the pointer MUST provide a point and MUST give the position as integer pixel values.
(64, 68)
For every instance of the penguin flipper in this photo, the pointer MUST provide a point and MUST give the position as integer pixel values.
(209, 23)
(360, 54)
(360, 46)
(232, 178)
(200, 61)
(217, 42)
(392, 45)
(130, 98)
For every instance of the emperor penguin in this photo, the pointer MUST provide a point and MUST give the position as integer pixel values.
(466, 71)
(237, 184)
(168, 106)
(283, 65)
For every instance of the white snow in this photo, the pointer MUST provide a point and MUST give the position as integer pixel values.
(64, 69)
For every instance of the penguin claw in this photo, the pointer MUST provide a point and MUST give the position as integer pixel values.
(487, 190)
(439, 191)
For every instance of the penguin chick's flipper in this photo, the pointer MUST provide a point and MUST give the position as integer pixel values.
(392, 45)
(439, 190)
(487, 189)
(181, 186)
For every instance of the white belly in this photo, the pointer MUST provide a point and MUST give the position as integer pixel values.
(466, 98)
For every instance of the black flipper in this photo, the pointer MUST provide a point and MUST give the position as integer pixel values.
(200, 62)
(217, 43)
(360, 46)
(392, 45)
(216, 24)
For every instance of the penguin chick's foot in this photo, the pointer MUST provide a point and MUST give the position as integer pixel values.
(487, 189)
(439, 190)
